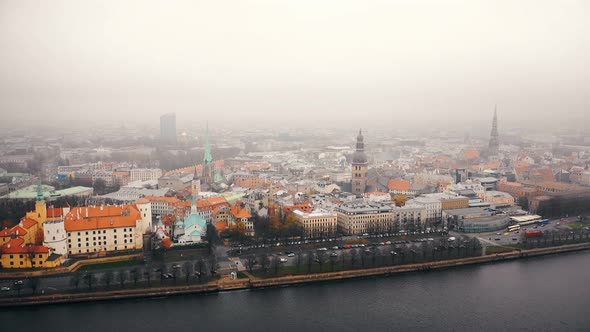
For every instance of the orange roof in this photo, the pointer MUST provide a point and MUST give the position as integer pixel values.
(211, 202)
(15, 246)
(239, 212)
(55, 212)
(28, 223)
(221, 225)
(14, 231)
(98, 217)
(396, 184)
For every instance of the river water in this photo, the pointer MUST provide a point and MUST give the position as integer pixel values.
(539, 294)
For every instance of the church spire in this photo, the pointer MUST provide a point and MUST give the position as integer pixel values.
(207, 158)
(40, 197)
(494, 145)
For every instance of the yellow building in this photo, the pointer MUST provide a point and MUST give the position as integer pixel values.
(21, 245)
(17, 255)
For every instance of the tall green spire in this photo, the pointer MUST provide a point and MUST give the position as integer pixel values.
(207, 158)
(39, 191)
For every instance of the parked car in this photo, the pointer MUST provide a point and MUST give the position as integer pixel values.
(333, 254)
(5, 289)
(291, 254)
(283, 260)
(322, 249)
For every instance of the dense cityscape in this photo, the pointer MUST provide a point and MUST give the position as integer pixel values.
(256, 205)
(294, 165)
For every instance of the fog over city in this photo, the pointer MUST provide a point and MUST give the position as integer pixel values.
(375, 64)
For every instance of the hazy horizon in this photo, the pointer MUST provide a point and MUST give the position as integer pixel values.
(300, 63)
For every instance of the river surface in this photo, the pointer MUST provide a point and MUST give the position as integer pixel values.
(539, 294)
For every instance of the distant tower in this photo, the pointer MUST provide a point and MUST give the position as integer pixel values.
(494, 145)
(40, 214)
(359, 167)
(208, 175)
(168, 128)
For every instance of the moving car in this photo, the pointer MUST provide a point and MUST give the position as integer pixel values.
(291, 254)
(283, 260)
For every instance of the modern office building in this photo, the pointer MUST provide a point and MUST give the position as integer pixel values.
(168, 128)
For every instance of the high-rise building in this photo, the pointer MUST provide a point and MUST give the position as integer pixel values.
(360, 165)
(168, 128)
(494, 145)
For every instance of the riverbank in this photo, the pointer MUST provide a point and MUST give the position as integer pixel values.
(254, 283)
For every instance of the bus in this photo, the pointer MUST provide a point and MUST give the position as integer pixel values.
(543, 222)
(514, 228)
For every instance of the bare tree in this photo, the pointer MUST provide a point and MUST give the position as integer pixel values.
(310, 259)
(264, 262)
(353, 257)
(213, 264)
(299, 260)
(135, 276)
(199, 266)
(147, 272)
(333, 260)
(322, 259)
(121, 277)
(250, 262)
(276, 264)
(107, 278)
(187, 267)
(75, 280)
(89, 280)
(34, 283)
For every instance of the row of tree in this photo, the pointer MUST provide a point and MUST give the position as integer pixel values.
(369, 257)
(197, 270)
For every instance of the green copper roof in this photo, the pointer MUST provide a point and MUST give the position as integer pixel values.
(218, 177)
(207, 158)
(40, 197)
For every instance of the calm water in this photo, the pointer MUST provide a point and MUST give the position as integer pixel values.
(542, 294)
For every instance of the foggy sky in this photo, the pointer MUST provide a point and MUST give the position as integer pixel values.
(297, 62)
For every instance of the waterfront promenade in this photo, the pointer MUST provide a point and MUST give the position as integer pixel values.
(252, 282)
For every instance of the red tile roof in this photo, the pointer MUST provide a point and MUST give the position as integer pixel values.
(239, 212)
(396, 184)
(14, 231)
(98, 217)
(55, 212)
(15, 246)
(27, 223)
